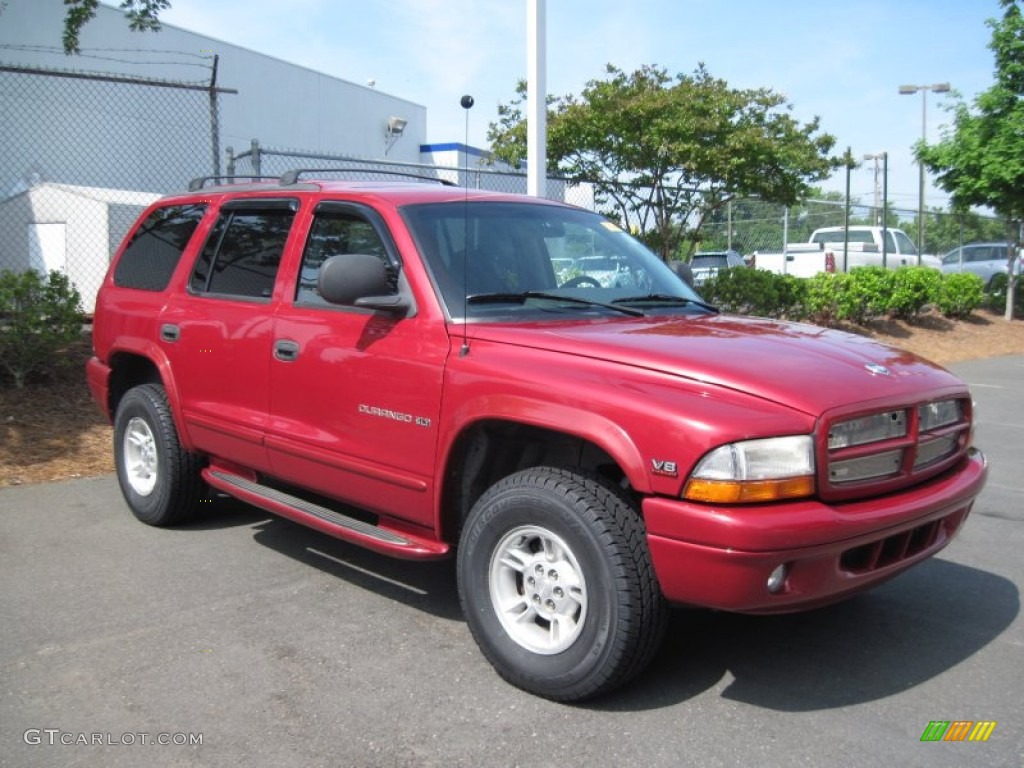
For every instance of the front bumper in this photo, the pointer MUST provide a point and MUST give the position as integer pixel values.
(722, 557)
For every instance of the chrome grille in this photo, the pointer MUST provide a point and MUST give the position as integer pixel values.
(882, 450)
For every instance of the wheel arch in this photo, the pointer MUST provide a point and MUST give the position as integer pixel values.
(131, 368)
(486, 450)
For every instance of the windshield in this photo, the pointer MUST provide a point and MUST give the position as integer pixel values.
(523, 256)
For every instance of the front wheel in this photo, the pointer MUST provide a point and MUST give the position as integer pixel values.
(556, 582)
(159, 479)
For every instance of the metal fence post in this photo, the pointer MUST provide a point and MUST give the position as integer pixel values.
(254, 154)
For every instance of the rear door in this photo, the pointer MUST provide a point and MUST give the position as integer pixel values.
(355, 394)
(218, 336)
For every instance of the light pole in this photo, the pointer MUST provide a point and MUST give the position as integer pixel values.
(904, 91)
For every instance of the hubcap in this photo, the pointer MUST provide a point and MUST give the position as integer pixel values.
(538, 590)
(140, 460)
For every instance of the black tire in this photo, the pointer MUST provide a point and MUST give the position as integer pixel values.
(611, 615)
(159, 479)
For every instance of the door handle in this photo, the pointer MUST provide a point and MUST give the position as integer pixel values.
(286, 350)
(170, 332)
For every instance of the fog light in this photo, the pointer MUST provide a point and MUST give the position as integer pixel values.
(777, 579)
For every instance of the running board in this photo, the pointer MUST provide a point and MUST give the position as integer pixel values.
(376, 537)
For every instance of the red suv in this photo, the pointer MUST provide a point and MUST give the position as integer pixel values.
(421, 369)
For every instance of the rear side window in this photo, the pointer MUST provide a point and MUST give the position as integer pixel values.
(155, 249)
(243, 252)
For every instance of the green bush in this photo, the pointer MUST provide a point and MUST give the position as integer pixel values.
(856, 297)
(744, 291)
(741, 290)
(39, 318)
(959, 294)
(826, 295)
(913, 288)
(869, 294)
(792, 296)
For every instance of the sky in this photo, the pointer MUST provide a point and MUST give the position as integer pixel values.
(842, 61)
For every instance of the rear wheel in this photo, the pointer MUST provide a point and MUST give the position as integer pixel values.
(557, 586)
(159, 479)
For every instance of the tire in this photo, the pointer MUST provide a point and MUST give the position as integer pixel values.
(159, 479)
(556, 583)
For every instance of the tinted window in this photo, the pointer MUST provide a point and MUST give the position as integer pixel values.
(335, 232)
(710, 260)
(155, 249)
(243, 252)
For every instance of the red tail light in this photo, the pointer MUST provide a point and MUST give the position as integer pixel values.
(830, 262)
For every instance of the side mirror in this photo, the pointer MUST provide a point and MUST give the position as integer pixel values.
(683, 271)
(358, 280)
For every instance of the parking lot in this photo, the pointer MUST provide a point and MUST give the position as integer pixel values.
(274, 645)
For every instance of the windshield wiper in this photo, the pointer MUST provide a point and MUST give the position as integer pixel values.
(665, 298)
(497, 298)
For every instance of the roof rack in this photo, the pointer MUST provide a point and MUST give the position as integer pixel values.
(292, 177)
(200, 181)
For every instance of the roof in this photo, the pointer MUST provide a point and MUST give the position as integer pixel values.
(99, 194)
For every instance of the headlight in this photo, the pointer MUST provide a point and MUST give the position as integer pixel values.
(754, 470)
(941, 414)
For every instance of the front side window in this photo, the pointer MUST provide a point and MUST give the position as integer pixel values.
(953, 257)
(335, 231)
(905, 243)
(243, 252)
(155, 249)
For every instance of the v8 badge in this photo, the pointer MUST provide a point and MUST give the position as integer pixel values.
(666, 468)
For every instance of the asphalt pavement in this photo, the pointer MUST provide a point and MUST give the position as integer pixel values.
(246, 640)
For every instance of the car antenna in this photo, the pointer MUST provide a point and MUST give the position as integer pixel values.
(467, 104)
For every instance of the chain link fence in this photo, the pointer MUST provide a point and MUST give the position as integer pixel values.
(262, 161)
(750, 225)
(83, 154)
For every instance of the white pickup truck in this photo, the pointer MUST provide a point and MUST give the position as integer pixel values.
(824, 252)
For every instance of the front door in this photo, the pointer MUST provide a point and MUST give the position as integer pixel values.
(355, 394)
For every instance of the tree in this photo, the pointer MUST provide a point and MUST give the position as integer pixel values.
(946, 231)
(142, 15)
(980, 162)
(666, 152)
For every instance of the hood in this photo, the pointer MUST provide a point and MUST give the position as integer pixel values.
(804, 367)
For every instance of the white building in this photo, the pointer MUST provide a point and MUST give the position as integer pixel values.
(68, 228)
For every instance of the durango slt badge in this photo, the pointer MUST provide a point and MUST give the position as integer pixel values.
(387, 413)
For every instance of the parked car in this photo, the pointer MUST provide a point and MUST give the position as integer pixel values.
(706, 265)
(825, 252)
(401, 366)
(986, 260)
